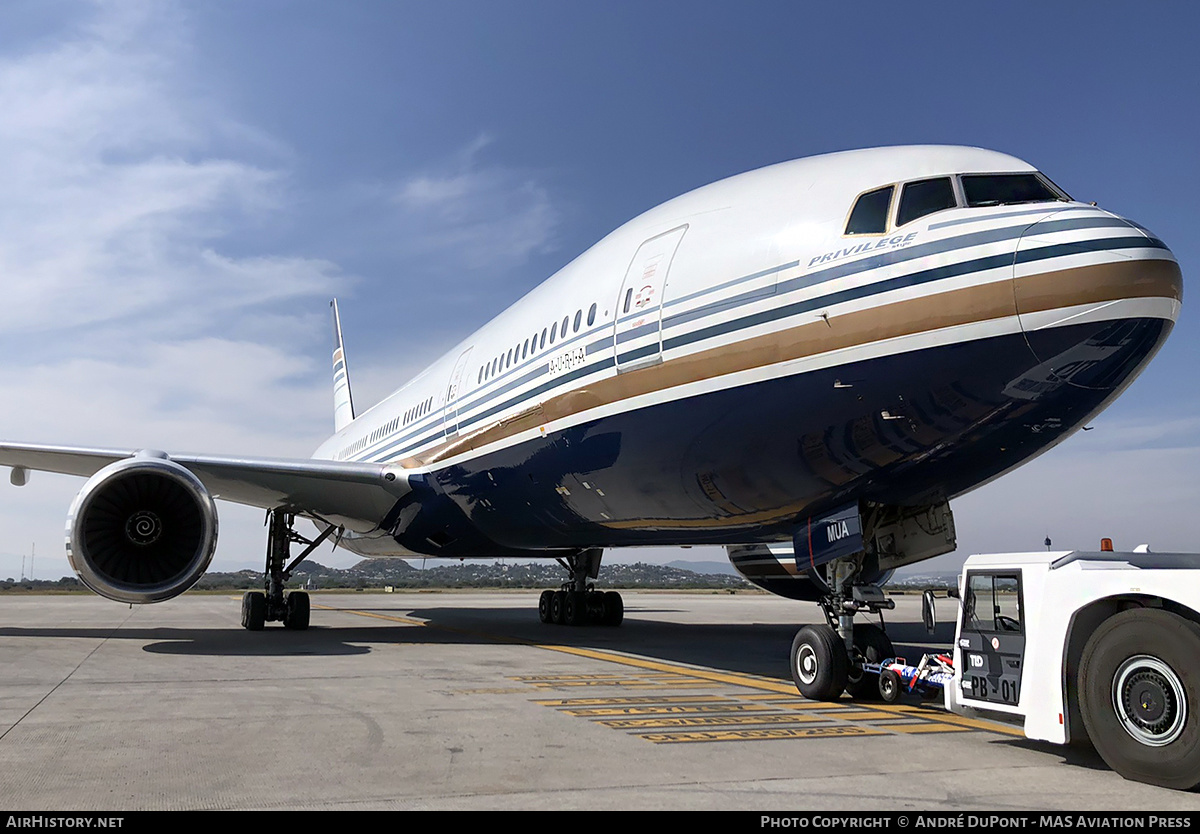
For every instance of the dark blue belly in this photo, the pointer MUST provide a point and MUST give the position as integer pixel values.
(740, 465)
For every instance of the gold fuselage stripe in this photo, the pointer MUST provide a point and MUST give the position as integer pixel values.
(1093, 284)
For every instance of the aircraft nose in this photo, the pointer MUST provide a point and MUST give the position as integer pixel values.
(1081, 275)
(1096, 296)
(1075, 260)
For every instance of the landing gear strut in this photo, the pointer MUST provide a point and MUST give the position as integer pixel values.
(271, 604)
(827, 659)
(578, 602)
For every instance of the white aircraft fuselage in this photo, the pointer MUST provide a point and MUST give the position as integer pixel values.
(762, 351)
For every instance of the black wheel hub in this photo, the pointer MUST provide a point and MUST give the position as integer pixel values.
(1149, 700)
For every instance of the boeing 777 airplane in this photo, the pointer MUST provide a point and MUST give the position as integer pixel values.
(805, 363)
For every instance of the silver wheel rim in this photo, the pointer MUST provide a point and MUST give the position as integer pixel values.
(806, 664)
(1149, 700)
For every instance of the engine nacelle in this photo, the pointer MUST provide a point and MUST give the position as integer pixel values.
(142, 529)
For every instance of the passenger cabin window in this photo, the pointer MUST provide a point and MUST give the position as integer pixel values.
(1007, 189)
(925, 197)
(870, 213)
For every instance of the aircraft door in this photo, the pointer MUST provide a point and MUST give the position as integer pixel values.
(992, 638)
(450, 413)
(637, 328)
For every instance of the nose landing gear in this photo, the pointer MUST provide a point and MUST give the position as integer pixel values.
(829, 659)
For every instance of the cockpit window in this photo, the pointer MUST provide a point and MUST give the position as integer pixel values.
(925, 197)
(870, 213)
(1007, 189)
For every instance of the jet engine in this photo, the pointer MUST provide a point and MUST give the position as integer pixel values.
(142, 529)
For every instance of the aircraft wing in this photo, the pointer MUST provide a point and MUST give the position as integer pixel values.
(356, 495)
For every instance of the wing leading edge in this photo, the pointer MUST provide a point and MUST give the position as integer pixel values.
(353, 494)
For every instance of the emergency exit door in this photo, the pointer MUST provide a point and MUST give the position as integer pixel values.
(637, 328)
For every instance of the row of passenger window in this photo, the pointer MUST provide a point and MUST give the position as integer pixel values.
(416, 412)
(536, 343)
(356, 446)
(923, 197)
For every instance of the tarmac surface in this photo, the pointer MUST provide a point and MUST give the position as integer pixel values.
(465, 701)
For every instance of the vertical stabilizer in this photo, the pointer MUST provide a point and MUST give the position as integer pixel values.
(343, 399)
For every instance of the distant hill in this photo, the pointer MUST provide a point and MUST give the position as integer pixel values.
(924, 580)
(722, 568)
(397, 573)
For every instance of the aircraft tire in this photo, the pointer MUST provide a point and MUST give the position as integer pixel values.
(254, 610)
(558, 603)
(1139, 693)
(873, 646)
(575, 609)
(820, 665)
(296, 617)
(889, 686)
(544, 601)
(614, 608)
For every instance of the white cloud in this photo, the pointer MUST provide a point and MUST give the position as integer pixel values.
(477, 215)
(131, 320)
(113, 205)
(127, 320)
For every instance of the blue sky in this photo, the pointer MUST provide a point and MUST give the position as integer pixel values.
(185, 186)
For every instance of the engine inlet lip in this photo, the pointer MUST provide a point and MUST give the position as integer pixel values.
(110, 580)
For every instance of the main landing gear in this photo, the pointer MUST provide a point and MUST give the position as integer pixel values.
(272, 605)
(828, 659)
(578, 602)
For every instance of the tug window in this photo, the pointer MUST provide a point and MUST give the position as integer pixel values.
(870, 213)
(925, 197)
(993, 603)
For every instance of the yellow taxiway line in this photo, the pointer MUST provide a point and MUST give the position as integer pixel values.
(730, 678)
